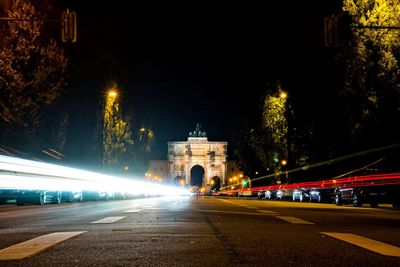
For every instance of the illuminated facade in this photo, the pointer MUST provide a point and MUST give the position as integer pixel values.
(197, 152)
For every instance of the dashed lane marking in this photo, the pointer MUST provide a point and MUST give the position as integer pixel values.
(267, 211)
(235, 212)
(110, 219)
(226, 201)
(254, 208)
(293, 220)
(366, 243)
(133, 211)
(34, 246)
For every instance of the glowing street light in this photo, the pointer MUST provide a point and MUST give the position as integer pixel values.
(112, 93)
(283, 95)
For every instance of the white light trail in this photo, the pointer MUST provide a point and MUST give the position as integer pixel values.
(16, 173)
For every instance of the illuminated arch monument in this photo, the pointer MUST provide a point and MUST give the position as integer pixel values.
(183, 157)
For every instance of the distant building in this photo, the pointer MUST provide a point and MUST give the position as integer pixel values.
(195, 162)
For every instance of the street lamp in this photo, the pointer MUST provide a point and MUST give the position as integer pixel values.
(107, 117)
(112, 93)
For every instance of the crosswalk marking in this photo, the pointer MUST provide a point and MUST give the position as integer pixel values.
(235, 212)
(293, 220)
(110, 219)
(267, 211)
(133, 211)
(366, 243)
(34, 246)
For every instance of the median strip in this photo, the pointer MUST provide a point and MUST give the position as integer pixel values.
(34, 246)
(110, 219)
(293, 220)
(366, 243)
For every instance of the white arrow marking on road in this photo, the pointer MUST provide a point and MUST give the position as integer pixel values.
(31, 247)
(110, 219)
(293, 220)
(366, 243)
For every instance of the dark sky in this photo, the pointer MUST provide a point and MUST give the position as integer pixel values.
(177, 65)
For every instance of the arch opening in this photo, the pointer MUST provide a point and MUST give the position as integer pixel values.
(197, 176)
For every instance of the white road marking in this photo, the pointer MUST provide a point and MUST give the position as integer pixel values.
(34, 246)
(132, 211)
(235, 212)
(110, 219)
(366, 243)
(293, 220)
(226, 201)
(267, 211)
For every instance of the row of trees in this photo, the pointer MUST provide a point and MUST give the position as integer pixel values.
(34, 109)
(358, 114)
(32, 79)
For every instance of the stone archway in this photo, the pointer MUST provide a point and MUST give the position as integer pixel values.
(215, 183)
(197, 175)
(197, 150)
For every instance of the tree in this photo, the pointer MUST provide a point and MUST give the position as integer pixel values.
(32, 70)
(274, 123)
(117, 135)
(144, 141)
(372, 82)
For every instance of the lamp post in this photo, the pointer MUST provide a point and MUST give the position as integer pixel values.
(288, 161)
(108, 112)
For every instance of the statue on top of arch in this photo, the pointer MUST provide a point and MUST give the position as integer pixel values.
(197, 132)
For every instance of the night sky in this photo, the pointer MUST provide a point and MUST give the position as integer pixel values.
(177, 65)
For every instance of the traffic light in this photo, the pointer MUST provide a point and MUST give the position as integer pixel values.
(331, 31)
(68, 26)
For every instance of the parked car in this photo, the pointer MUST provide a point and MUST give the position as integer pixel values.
(8, 196)
(373, 195)
(97, 195)
(38, 197)
(299, 195)
(71, 196)
(270, 194)
(321, 195)
(283, 194)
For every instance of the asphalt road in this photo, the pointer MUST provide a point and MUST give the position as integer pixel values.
(199, 231)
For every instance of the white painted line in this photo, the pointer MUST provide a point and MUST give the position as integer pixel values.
(267, 211)
(235, 212)
(293, 220)
(226, 201)
(34, 246)
(366, 243)
(132, 211)
(110, 219)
